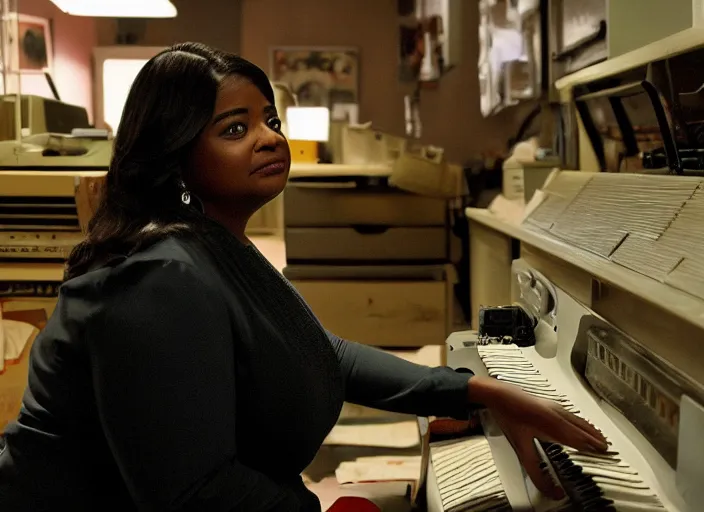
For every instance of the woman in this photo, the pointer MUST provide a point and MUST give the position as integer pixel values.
(180, 371)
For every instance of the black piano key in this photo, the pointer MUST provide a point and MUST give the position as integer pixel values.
(583, 493)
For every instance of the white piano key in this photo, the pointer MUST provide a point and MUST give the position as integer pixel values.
(468, 470)
(467, 477)
(631, 488)
(528, 384)
(605, 465)
(476, 503)
(610, 473)
(582, 459)
(479, 485)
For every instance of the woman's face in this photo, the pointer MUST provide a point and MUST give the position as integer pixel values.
(241, 159)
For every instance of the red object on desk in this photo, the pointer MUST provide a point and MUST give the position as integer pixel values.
(353, 504)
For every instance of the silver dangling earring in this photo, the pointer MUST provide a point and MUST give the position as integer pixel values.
(185, 194)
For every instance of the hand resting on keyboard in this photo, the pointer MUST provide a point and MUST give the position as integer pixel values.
(523, 418)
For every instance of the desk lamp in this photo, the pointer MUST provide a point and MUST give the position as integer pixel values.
(307, 127)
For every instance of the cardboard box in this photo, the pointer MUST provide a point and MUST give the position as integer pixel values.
(429, 175)
(361, 145)
(13, 379)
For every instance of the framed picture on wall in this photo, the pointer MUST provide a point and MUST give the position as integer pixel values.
(320, 77)
(29, 40)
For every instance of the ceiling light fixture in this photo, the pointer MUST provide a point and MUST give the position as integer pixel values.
(118, 8)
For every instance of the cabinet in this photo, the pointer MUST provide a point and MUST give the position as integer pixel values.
(372, 262)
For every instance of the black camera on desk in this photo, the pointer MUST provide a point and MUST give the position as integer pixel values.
(507, 324)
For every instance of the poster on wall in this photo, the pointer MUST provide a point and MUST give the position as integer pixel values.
(319, 77)
(428, 38)
(29, 41)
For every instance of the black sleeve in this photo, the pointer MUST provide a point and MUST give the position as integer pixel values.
(377, 379)
(163, 370)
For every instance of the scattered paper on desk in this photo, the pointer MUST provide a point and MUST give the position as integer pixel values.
(384, 435)
(14, 336)
(384, 470)
(379, 469)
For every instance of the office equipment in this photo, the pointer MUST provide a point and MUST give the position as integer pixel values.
(40, 115)
(50, 185)
(45, 134)
(522, 178)
(609, 264)
(506, 324)
(48, 152)
(43, 215)
(647, 407)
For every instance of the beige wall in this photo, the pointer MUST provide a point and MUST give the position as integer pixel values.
(450, 115)
(73, 40)
(213, 22)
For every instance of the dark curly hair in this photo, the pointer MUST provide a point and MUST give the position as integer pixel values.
(170, 102)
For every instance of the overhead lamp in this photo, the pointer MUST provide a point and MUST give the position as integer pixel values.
(118, 8)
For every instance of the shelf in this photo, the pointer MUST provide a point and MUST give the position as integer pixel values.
(673, 45)
(681, 304)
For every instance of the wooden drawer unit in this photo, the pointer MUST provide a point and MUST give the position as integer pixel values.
(366, 244)
(331, 205)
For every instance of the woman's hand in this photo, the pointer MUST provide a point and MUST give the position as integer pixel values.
(524, 418)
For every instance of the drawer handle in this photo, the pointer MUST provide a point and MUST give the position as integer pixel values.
(370, 230)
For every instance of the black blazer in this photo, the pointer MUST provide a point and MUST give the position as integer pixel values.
(162, 382)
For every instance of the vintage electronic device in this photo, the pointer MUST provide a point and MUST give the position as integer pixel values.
(43, 215)
(650, 411)
(50, 184)
(610, 266)
(40, 115)
(506, 324)
(53, 135)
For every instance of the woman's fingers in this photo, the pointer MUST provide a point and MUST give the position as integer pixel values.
(533, 464)
(583, 424)
(562, 427)
(586, 433)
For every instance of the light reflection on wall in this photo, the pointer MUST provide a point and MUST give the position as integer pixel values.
(118, 75)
